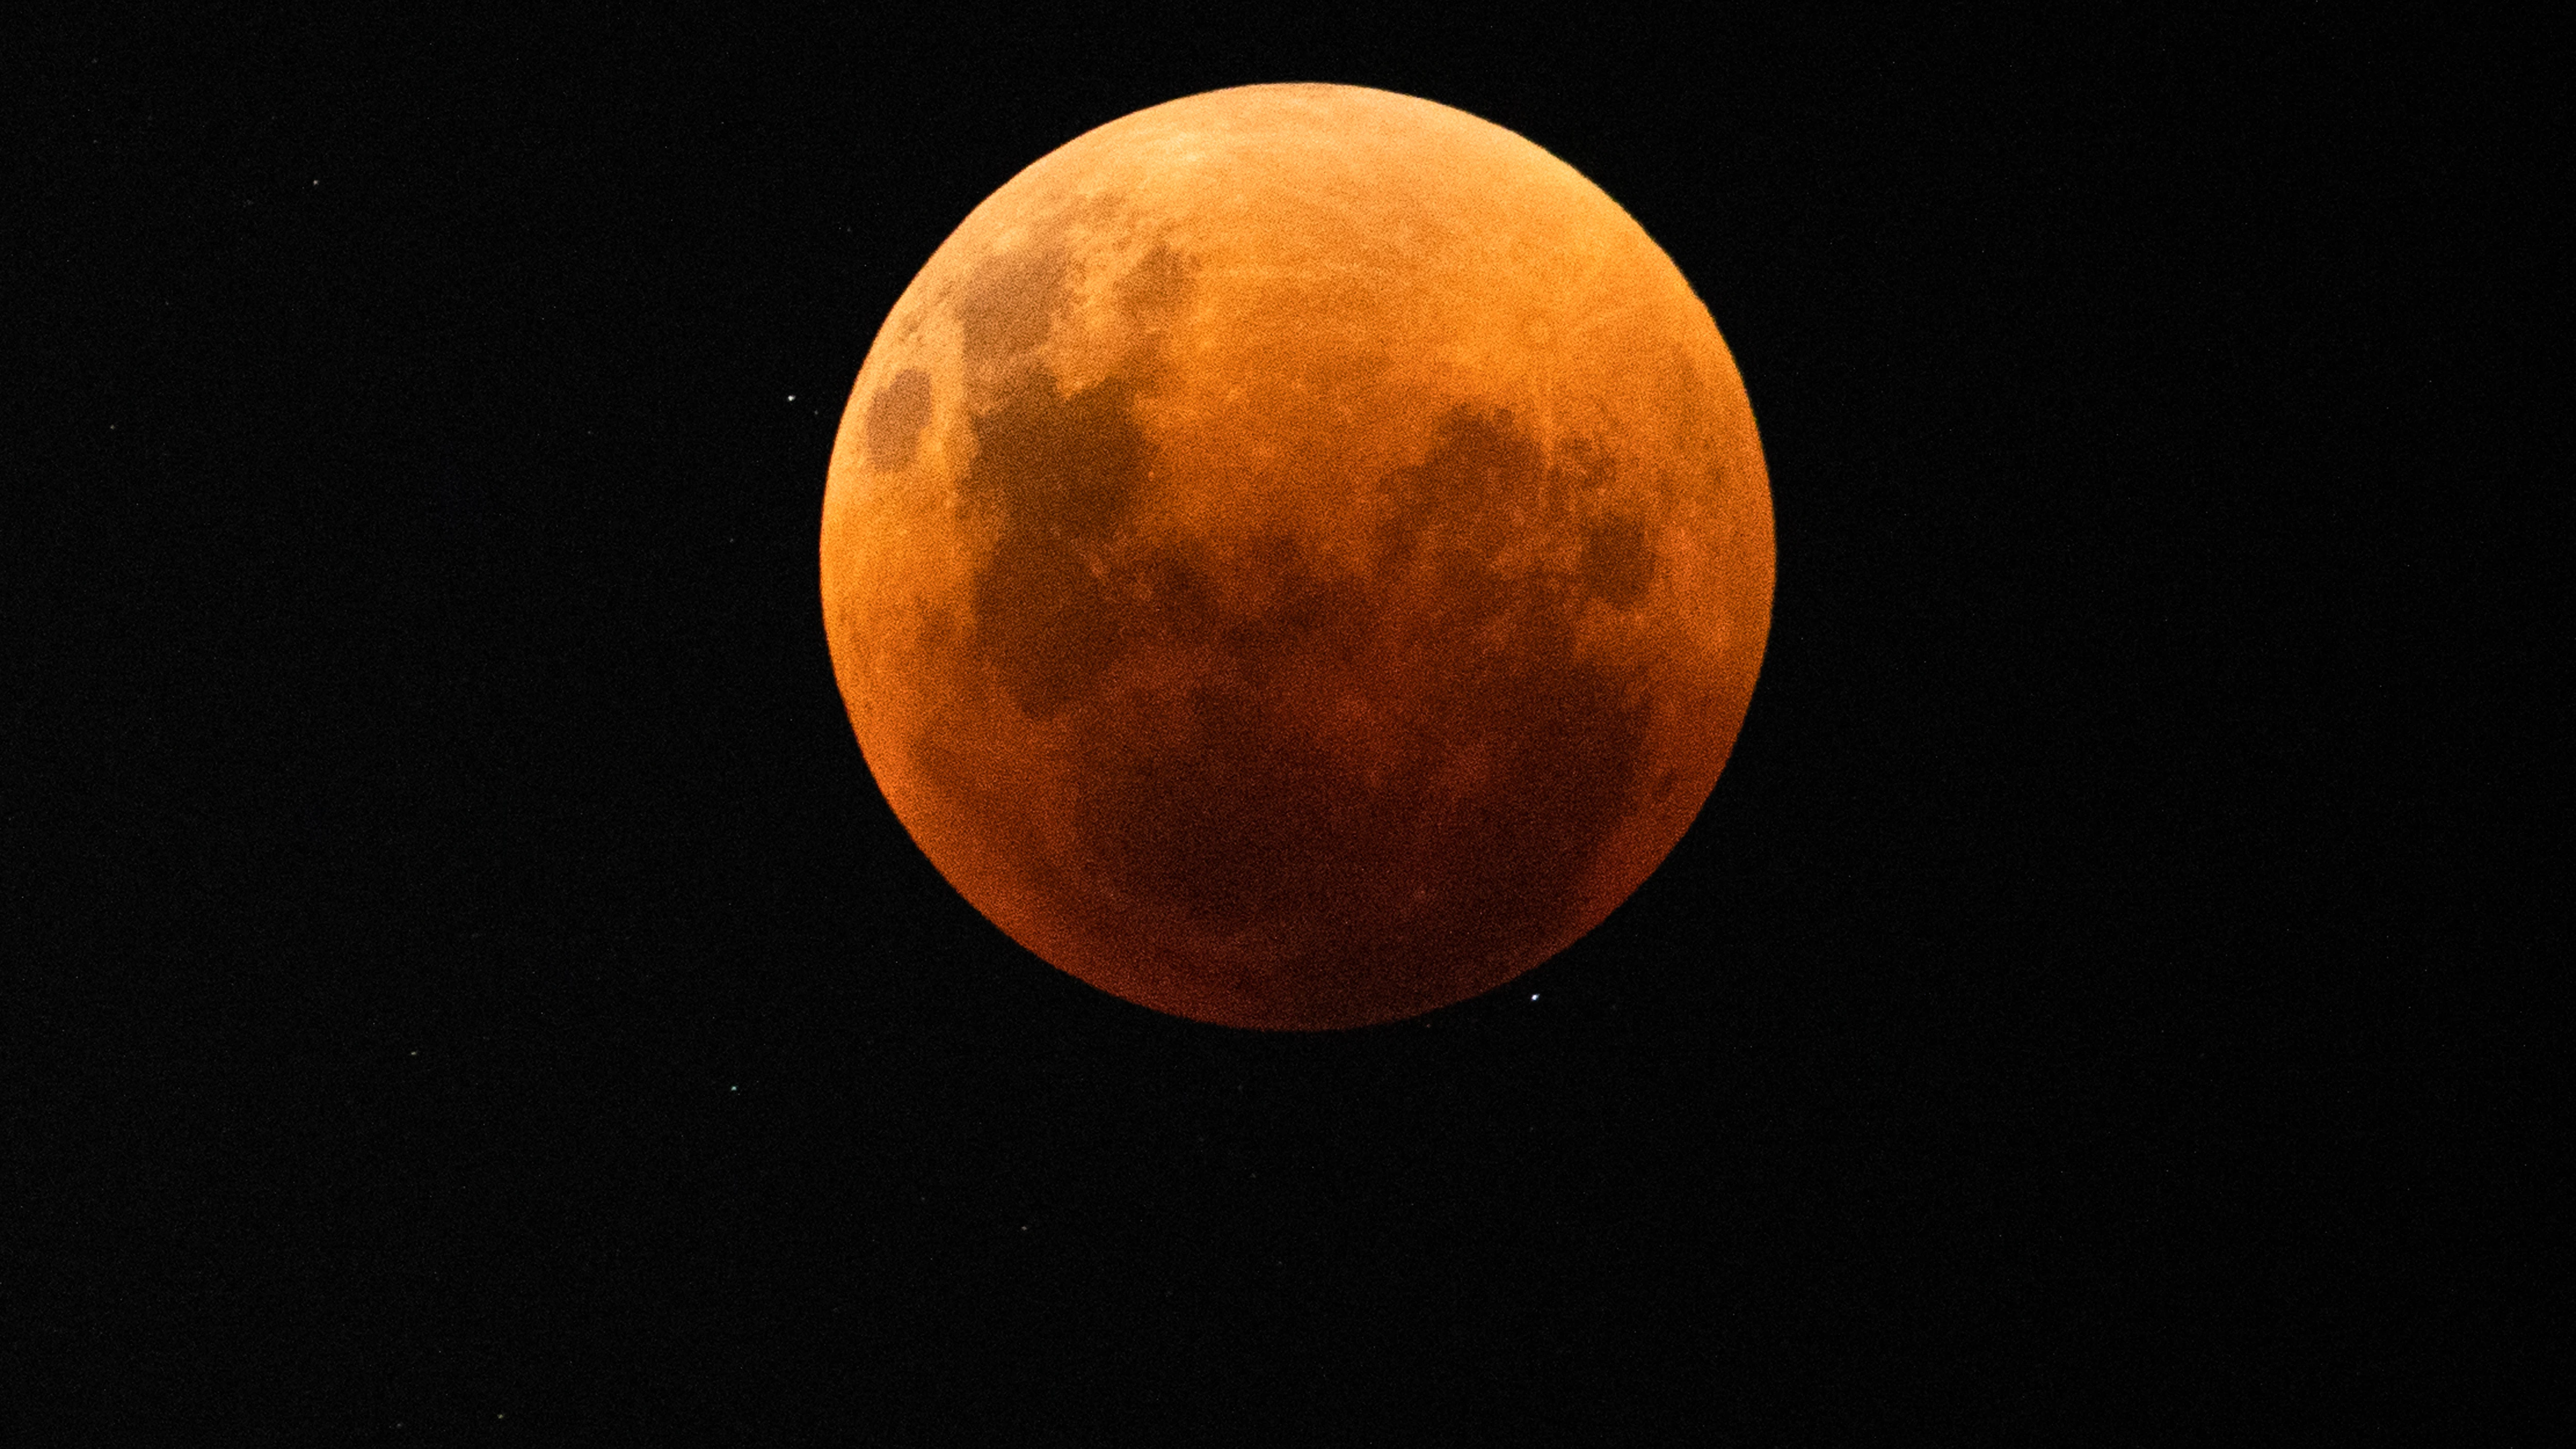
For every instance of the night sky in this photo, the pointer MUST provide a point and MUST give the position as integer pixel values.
(468, 979)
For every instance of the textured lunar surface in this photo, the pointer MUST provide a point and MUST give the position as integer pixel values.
(1297, 557)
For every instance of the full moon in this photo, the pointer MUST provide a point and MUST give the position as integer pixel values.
(1297, 556)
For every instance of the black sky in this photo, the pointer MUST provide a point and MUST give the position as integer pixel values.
(468, 971)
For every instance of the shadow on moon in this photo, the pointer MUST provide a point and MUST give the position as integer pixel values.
(1413, 852)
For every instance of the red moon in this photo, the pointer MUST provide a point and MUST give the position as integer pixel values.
(1297, 556)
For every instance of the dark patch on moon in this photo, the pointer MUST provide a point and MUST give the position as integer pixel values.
(896, 416)
(1061, 472)
(1157, 285)
(1006, 307)
(1617, 563)
(1454, 510)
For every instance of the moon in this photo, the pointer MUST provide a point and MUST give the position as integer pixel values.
(1297, 556)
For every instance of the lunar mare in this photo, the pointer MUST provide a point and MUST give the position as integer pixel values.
(1297, 556)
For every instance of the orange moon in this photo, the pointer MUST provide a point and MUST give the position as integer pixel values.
(1297, 556)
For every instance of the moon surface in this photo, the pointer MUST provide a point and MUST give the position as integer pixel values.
(1297, 556)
